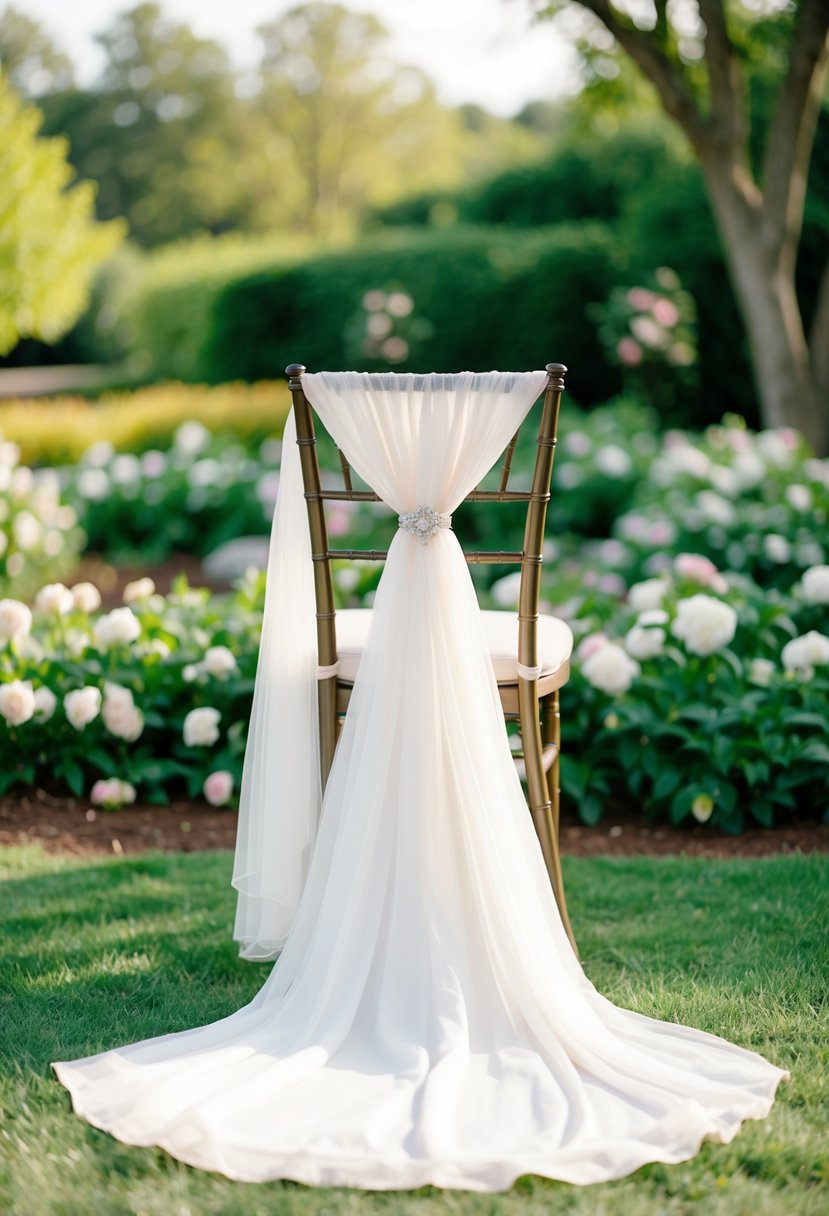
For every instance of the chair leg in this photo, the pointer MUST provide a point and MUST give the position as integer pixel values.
(551, 742)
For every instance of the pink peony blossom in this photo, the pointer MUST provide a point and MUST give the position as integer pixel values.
(218, 787)
(696, 567)
(665, 312)
(640, 297)
(629, 352)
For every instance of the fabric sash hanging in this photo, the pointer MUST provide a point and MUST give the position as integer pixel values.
(422, 442)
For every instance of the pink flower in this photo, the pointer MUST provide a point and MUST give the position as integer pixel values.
(695, 567)
(592, 644)
(661, 532)
(112, 793)
(339, 518)
(629, 351)
(218, 787)
(640, 297)
(665, 312)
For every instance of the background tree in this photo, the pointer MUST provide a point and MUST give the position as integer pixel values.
(711, 64)
(50, 243)
(159, 130)
(31, 60)
(342, 124)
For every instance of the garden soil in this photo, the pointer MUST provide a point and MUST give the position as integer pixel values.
(72, 827)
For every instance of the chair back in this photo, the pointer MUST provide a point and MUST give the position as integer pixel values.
(529, 557)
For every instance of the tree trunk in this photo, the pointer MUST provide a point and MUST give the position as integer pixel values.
(765, 292)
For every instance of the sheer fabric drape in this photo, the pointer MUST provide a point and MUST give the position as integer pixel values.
(427, 1020)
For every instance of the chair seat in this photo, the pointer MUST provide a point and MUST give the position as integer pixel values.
(555, 643)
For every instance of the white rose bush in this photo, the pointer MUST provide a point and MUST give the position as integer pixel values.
(40, 536)
(95, 703)
(709, 708)
(693, 569)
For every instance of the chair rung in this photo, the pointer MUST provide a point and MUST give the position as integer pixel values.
(549, 755)
(346, 495)
(379, 555)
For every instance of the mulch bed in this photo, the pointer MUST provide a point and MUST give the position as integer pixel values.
(72, 827)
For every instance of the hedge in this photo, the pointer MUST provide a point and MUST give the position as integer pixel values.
(481, 299)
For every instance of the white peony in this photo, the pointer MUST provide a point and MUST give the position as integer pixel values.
(647, 594)
(505, 590)
(55, 598)
(17, 701)
(715, 508)
(814, 586)
(653, 616)
(93, 485)
(15, 620)
(191, 438)
(26, 530)
(610, 669)
(613, 461)
(119, 626)
(121, 716)
(45, 703)
(776, 548)
(201, 727)
(82, 706)
(644, 643)
(87, 597)
(809, 650)
(799, 497)
(704, 624)
(112, 792)
(761, 671)
(219, 661)
(140, 589)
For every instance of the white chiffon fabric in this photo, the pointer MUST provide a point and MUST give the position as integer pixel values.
(426, 1020)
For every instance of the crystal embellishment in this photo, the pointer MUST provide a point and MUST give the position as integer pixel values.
(424, 523)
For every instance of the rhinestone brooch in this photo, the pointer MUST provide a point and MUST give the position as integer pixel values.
(424, 523)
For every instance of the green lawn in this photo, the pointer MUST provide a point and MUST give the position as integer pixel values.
(98, 953)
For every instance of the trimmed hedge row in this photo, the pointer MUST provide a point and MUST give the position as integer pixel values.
(481, 299)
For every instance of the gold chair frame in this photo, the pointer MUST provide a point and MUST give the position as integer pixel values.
(533, 703)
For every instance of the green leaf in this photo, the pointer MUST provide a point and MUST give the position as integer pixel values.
(821, 721)
(72, 771)
(590, 810)
(666, 783)
(815, 750)
(763, 811)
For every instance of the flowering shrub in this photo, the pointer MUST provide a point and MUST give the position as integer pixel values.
(760, 500)
(144, 700)
(39, 532)
(699, 695)
(385, 329)
(202, 491)
(648, 330)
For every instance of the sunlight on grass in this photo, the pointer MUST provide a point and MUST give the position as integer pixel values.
(97, 953)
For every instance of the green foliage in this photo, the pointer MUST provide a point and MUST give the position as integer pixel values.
(191, 498)
(160, 650)
(39, 534)
(50, 244)
(98, 952)
(481, 300)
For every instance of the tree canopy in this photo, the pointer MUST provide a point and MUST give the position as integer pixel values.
(50, 242)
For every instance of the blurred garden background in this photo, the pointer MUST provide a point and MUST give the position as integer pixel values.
(176, 227)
